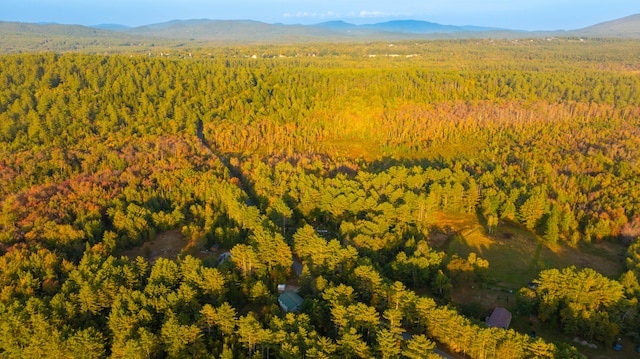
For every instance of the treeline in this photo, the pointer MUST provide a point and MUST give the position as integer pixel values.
(583, 303)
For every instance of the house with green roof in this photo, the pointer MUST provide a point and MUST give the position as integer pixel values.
(290, 301)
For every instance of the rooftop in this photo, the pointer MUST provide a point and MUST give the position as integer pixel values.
(500, 318)
(290, 301)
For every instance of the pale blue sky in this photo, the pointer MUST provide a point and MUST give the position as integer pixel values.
(514, 14)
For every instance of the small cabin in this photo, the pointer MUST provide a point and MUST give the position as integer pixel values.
(500, 318)
(290, 301)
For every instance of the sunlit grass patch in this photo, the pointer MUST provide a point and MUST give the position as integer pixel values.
(516, 255)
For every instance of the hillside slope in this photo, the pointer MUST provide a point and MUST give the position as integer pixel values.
(626, 27)
(232, 30)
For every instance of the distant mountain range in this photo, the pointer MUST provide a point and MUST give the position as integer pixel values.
(255, 31)
(404, 26)
(24, 28)
(247, 31)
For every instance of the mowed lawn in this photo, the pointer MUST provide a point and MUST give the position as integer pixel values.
(517, 255)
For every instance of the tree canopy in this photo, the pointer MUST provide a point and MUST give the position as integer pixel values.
(328, 172)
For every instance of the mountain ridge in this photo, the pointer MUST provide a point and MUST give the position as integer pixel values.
(628, 26)
(204, 29)
(251, 31)
(421, 27)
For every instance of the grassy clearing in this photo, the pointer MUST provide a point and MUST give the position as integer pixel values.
(516, 255)
(353, 148)
(168, 245)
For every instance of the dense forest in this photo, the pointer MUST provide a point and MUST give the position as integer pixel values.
(351, 162)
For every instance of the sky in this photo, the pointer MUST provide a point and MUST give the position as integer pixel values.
(511, 14)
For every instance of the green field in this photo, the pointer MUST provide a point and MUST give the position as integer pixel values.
(517, 255)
